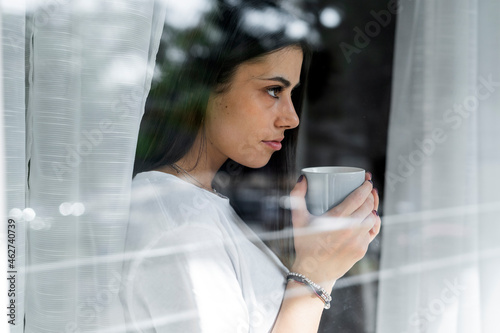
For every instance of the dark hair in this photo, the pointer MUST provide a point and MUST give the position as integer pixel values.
(202, 60)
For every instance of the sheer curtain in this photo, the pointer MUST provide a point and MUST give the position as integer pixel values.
(440, 251)
(76, 75)
(13, 114)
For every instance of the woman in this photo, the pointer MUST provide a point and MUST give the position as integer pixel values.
(198, 268)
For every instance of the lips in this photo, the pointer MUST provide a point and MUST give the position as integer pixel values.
(274, 144)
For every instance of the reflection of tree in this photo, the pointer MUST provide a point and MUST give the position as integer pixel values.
(177, 83)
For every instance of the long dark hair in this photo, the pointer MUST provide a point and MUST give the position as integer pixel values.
(201, 60)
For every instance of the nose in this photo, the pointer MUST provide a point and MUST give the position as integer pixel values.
(287, 117)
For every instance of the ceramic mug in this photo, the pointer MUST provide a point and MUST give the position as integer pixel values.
(329, 186)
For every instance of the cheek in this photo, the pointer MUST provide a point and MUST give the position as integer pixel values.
(243, 123)
(250, 143)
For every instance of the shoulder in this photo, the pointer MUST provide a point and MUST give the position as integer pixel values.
(172, 201)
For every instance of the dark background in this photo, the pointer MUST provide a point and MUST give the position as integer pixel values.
(347, 125)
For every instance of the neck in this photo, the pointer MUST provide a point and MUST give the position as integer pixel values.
(202, 167)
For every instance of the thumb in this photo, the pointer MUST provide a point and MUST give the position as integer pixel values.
(300, 215)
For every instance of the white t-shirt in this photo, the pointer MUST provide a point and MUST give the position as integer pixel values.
(196, 267)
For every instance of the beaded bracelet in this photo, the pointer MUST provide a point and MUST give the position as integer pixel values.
(323, 295)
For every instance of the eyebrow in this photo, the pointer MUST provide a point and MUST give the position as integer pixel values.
(281, 79)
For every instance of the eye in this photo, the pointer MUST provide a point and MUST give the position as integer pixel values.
(274, 91)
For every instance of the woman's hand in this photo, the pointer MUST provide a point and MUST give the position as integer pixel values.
(328, 246)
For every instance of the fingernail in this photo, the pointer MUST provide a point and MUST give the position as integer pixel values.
(300, 178)
(375, 212)
(370, 181)
(370, 174)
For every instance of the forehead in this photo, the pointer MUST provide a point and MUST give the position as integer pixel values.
(286, 62)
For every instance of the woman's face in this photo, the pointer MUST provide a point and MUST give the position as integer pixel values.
(248, 120)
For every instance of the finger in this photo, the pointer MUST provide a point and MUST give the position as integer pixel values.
(369, 176)
(369, 220)
(298, 203)
(376, 228)
(365, 239)
(353, 201)
(377, 199)
(364, 212)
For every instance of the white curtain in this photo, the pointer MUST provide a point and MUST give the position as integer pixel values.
(13, 107)
(440, 251)
(76, 74)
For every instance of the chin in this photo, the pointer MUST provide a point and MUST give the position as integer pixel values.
(255, 162)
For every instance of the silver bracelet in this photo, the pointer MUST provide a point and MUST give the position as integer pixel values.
(317, 289)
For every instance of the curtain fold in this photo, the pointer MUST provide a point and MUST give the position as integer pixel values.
(71, 137)
(440, 252)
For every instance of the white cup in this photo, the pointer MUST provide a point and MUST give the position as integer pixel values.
(329, 186)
